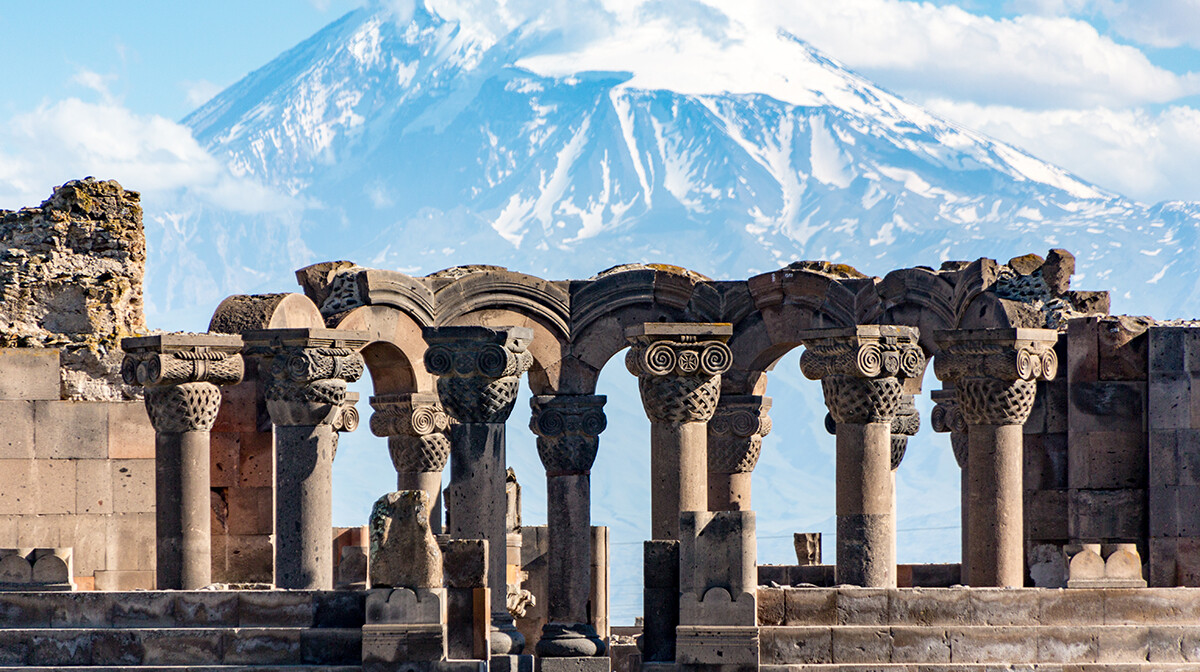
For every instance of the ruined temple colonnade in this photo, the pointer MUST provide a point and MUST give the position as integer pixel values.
(447, 354)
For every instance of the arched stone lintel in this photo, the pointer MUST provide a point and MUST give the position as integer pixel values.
(395, 354)
(240, 313)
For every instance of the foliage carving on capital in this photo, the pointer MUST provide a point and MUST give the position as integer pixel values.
(735, 433)
(415, 426)
(568, 428)
(995, 372)
(478, 369)
(181, 374)
(679, 374)
(947, 417)
(305, 371)
(860, 369)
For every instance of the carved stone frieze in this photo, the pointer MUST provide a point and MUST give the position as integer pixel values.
(995, 371)
(568, 428)
(478, 369)
(735, 433)
(305, 372)
(860, 369)
(415, 426)
(679, 367)
(181, 374)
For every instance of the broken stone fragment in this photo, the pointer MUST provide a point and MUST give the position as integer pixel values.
(404, 552)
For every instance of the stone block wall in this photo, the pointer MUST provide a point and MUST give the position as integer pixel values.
(76, 474)
(242, 468)
(1046, 483)
(1174, 464)
(1107, 459)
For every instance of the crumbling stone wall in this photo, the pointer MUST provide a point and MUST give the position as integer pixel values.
(71, 278)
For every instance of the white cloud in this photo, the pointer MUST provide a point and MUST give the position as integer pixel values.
(1027, 61)
(94, 81)
(73, 138)
(199, 91)
(1158, 23)
(1146, 156)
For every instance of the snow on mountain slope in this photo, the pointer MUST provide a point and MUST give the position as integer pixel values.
(422, 143)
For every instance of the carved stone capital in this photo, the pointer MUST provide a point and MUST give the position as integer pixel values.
(305, 372)
(735, 433)
(186, 407)
(860, 369)
(478, 369)
(906, 423)
(947, 417)
(568, 428)
(995, 371)
(180, 373)
(679, 367)
(415, 426)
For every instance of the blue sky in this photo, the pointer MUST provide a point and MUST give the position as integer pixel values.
(1106, 88)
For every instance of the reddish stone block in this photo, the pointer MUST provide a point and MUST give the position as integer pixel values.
(1083, 356)
(256, 465)
(223, 451)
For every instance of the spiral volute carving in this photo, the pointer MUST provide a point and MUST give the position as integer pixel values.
(679, 377)
(994, 373)
(478, 370)
(568, 428)
(735, 433)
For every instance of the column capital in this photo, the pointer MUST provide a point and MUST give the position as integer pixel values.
(415, 426)
(995, 371)
(735, 433)
(947, 417)
(679, 367)
(305, 372)
(860, 368)
(180, 374)
(478, 369)
(568, 428)
(906, 423)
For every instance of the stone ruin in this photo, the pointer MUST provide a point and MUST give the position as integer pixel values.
(1078, 434)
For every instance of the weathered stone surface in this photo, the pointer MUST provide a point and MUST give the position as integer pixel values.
(404, 553)
(72, 271)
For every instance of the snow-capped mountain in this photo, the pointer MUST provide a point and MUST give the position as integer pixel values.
(421, 143)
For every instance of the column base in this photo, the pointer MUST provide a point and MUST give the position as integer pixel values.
(589, 664)
(506, 639)
(510, 663)
(570, 640)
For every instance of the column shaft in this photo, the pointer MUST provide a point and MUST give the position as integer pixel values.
(476, 500)
(570, 554)
(678, 474)
(729, 492)
(183, 510)
(994, 462)
(303, 501)
(866, 519)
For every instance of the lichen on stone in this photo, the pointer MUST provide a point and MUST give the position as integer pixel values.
(71, 273)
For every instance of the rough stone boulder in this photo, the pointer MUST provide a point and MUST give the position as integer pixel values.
(404, 553)
(71, 275)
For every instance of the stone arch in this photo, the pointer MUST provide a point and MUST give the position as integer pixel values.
(395, 354)
(618, 298)
(492, 296)
(915, 297)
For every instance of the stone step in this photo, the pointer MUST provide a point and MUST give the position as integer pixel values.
(184, 609)
(195, 668)
(908, 645)
(74, 647)
(992, 667)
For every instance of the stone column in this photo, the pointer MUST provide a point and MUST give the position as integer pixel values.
(568, 429)
(305, 373)
(861, 369)
(181, 374)
(947, 418)
(735, 436)
(478, 371)
(679, 367)
(995, 374)
(415, 426)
